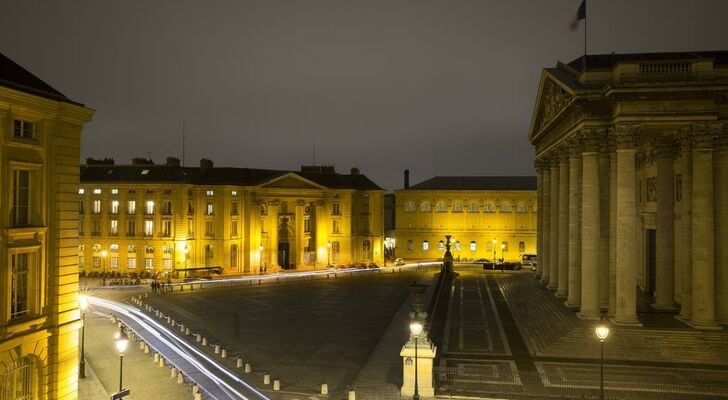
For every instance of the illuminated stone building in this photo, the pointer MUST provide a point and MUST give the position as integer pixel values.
(40, 136)
(475, 210)
(166, 218)
(632, 160)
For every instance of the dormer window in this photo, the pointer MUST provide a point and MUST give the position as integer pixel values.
(23, 129)
(145, 171)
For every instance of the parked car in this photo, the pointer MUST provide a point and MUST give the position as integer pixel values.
(502, 265)
(529, 260)
(399, 261)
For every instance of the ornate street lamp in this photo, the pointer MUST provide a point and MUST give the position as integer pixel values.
(602, 332)
(416, 329)
(83, 304)
(122, 341)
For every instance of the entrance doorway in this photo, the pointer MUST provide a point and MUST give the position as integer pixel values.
(650, 260)
(284, 255)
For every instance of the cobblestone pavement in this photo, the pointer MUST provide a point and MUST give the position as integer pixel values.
(507, 335)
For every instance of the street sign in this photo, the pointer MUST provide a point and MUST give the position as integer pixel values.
(120, 394)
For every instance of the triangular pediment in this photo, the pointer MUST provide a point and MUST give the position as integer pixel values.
(291, 181)
(552, 99)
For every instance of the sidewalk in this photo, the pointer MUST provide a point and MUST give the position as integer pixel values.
(145, 379)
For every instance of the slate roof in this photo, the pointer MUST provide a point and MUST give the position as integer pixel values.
(477, 183)
(16, 77)
(215, 176)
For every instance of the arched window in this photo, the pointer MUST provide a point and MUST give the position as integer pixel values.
(473, 207)
(410, 206)
(473, 246)
(521, 247)
(425, 245)
(167, 249)
(457, 207)
(131, 248)
(425, 206)
(114, 248)
(441, 207)
(20, 380)
(521, 207)
(505, 207)
(441, 245)
(488, 207)
(457, 245)
(149, 250)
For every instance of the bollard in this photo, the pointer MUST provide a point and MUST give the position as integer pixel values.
(169, 319)
(223, 353)
(352, 394)
(276, 384)
(248, 368)
(195, 389)
(173, 372)
(161, 361)
(171, 322)
(204, 341)
(118, 324)
(266, 379)
(141, 345)
(324, 388)
(217, 349)
(199, 338)
(239, 363)
(180, 378)
(156, 357)
(181, 327)
(146, 349)
(156, 313)
(112, 319)
(198, 396)
(187, 331)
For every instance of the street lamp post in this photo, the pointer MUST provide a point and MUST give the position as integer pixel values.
(121, 342)
(104, 253)
(602, 332)
(83, 303)
(494, 244)
(503, 248)
(260, 258)
(328, 254)
(416, 329)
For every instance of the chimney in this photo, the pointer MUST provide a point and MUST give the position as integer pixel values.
(141, 161)
(172, 162)
(354, 171)
(206, 163)
(406, 179)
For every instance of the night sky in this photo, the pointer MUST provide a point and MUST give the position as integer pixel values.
(443, 87)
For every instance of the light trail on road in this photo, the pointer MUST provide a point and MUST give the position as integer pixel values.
(194, 363)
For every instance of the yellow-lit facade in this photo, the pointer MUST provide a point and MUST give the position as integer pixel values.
(474, 217)
(40, 132)
(245, 221)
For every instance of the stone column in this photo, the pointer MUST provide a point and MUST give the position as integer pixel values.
(563, 270)
(271, 226)
(573, 299)
(721, 225)
(686, 225)
(546, 224)
(612, 311)
(665, 242)
(604, 218)
(539, 216)
(703, 232)
(626, 227)
(552, 282)
(590, 231)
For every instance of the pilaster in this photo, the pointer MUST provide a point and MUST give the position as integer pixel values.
(605, 196)
(665, 242)
(684, 137)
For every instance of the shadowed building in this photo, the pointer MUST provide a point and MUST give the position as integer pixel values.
(475, 210)
(632, 160)
(40, 137)
(164, 218)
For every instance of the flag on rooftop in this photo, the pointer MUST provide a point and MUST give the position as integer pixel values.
(580, 15)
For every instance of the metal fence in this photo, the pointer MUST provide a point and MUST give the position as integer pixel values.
(456, 381)
(17, 382)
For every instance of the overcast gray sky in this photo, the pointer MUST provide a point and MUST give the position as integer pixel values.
(382, 85)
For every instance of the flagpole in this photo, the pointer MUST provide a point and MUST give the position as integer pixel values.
(585, 25)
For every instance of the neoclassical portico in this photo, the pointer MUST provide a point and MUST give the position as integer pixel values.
(633, 183)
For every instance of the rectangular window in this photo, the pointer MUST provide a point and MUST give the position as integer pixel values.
(23, 129)
(130, 227)
(210, 208)
(131, 263)
(234, 208)
(96, 262)
(148, 227)
(114, 262)
(190, 228)
(114, 191)
(114, 227)
(21, 198)
(97, 207)
(97, 191)
(365, 225)
(335, 251)
(307, 225)
(80, 207)
(425, 245)
(19, 290)
(336, 229)
(131, 207)
(234, 228)
(473, 246)
(209, 228)
(336, 210)
(114, 207)
(234, 256)
(167, 207)
(96, 227)
(167, 227)
(190, 208)
(149, 264)
(80, 227)
(81, 260)
(149, 207)
(167, 263)
(210, 192)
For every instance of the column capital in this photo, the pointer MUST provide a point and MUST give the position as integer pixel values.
(703, 135)
(593, 140)
(664, 146)
(541, 164)
(625, 136)
(575, 145)
(721, 139)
